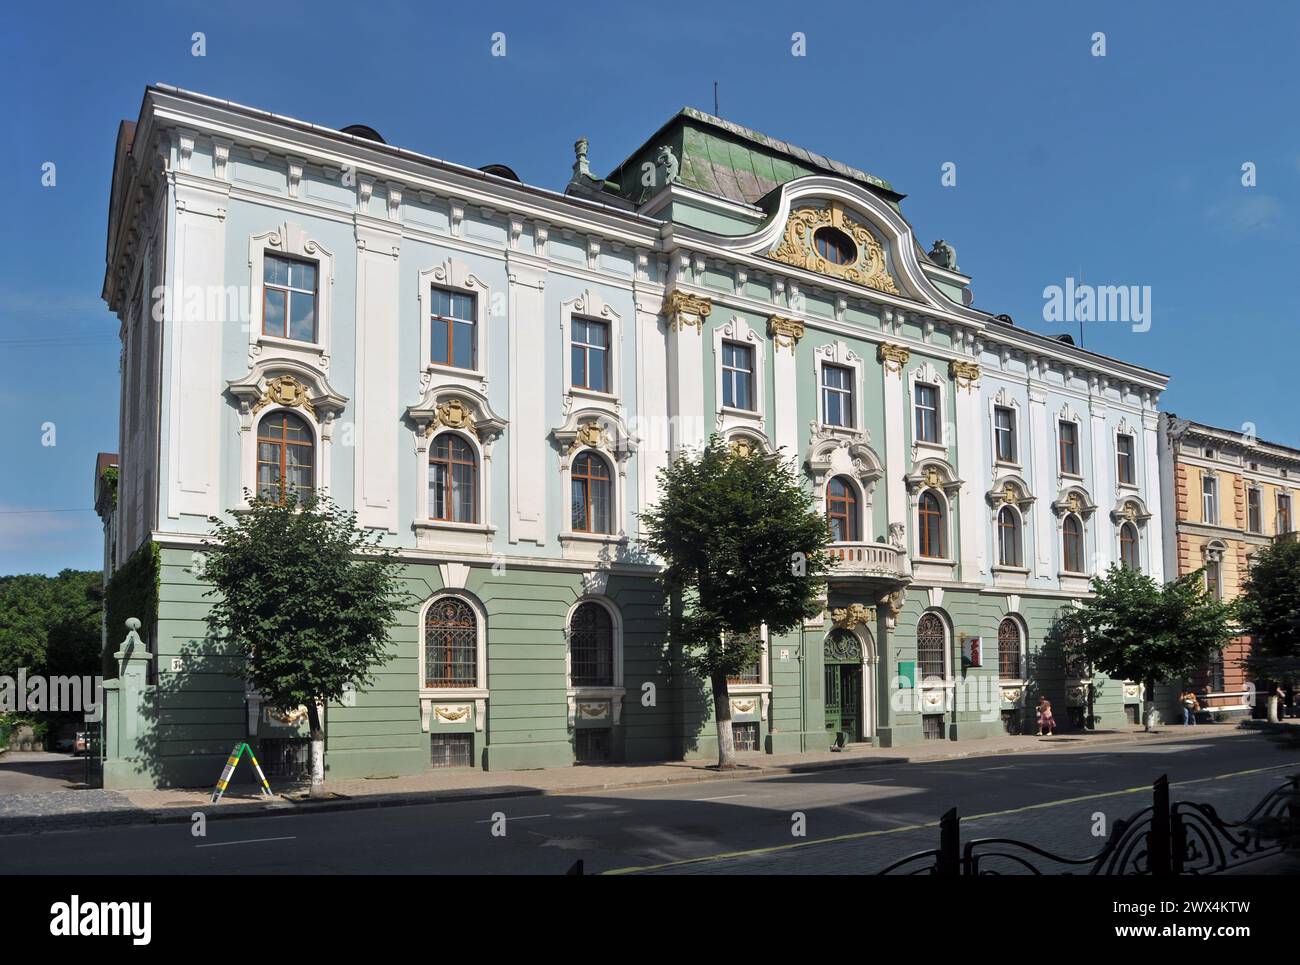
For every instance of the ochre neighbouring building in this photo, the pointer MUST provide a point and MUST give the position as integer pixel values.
(1227, 493)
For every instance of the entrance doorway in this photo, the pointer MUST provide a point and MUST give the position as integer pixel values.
(847, 699)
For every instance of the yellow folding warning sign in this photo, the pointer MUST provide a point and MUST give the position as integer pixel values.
(224, 781)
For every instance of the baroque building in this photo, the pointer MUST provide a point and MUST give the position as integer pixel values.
(1226, 495)
(492, 374)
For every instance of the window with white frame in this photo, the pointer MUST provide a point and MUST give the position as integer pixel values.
(1254, 510)
(453, 479)
(589, 351)
(1129, 553)
(289, 298)
(1125, 456)
(751, 673)
(591, 646)
(590, 494)
(842, 512)
(1009, 538)
(1283, 513)
(1068, 444)
(837, 395)
(451, 638)
(286, 458)
(453, 328)
(931, 525)
(1209, 499)
(1072, 555)
(1004, 433)
(737, 376)
(926, 403)
(931, 647)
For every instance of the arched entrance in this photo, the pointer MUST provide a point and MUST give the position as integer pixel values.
(848, 688)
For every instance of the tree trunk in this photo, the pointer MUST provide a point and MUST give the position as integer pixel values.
(317, 751)
(722, 713)
(1149, 719)
(1272, 709)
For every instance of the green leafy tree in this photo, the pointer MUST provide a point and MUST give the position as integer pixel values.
(1269, 609)
(50, 625)
(742, 545)
(308, 598)
(1133, 628)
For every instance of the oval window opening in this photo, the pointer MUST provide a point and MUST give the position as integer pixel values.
(835, 246)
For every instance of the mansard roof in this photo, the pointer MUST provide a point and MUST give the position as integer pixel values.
(731, 161)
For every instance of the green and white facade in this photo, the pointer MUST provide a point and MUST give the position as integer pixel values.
(605, 322)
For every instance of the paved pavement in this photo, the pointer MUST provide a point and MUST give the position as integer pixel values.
(855, 820)
(31, 772)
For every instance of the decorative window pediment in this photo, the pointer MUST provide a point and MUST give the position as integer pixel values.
(1130, 509)
(1010, 491)
(456, 407)
(934, 473)
(827, 240)
(1074, 499)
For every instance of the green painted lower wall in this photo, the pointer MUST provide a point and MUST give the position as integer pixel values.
(194, 708)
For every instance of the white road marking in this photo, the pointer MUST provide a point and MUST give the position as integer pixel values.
(222, 844)
(521, 817)
(724, 797)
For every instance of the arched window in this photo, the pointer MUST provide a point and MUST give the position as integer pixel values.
(842, 510)
(753, 673)
(1072, 544)
(453, 479)
(591, 646)
(450, 644)
(285, 458)
(929, 518)
(1128, 546)
(835, 246)
(931, 646)
(1009, 649)
(590, 494)
(1008, 537)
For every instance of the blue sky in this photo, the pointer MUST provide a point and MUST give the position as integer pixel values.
(1123, 170)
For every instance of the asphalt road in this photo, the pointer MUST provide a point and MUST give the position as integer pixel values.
(853, 821)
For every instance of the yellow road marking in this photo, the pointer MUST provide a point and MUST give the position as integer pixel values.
(859, 835)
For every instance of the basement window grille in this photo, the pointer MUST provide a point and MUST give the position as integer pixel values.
(1011, 721)
(745, 734)
(932, 726)
(591, 745)
(451, 750)
(288, 758)
(1131, 712)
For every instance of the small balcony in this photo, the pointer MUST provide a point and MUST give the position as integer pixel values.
(863, 564)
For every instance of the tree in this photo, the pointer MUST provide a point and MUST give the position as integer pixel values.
(742, 545)
(1132, 628)
(1269, 610)
(308, 598)
(50, 625)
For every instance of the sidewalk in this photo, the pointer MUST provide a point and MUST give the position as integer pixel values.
(27, 813)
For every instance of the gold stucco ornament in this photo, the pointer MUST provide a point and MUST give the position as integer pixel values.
(799, 248)
(285, 390)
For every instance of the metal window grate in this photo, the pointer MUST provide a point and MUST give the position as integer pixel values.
(591, 745)
(450, 645)
(451, 750)
(932, 727)
(1131, 713)
(931, 642)
(745, 734)
(591, 646)
(285, 757)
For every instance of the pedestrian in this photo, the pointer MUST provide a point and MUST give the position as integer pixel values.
(1190, 706)
(1045, 721)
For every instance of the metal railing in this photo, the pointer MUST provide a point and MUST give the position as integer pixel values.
(1165, 838)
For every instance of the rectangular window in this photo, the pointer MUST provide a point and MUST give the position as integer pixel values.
(1124, 453)
(1069, 440)
(288, 298)
(591, 744)
(1004, 431)
(1213, 580)
(1283, 514)
(737, 376)
(1254, 511)
(745, 735)
(932, 727)
(1209, 499)
(453, 324)
(590, 355)
(451, 750)
(837, 396)
(927, 413)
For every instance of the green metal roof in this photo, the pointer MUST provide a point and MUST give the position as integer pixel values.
(731, 161)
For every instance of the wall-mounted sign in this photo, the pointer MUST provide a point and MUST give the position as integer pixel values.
(972, 652)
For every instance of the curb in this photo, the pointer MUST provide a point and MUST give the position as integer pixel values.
(175, 815)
